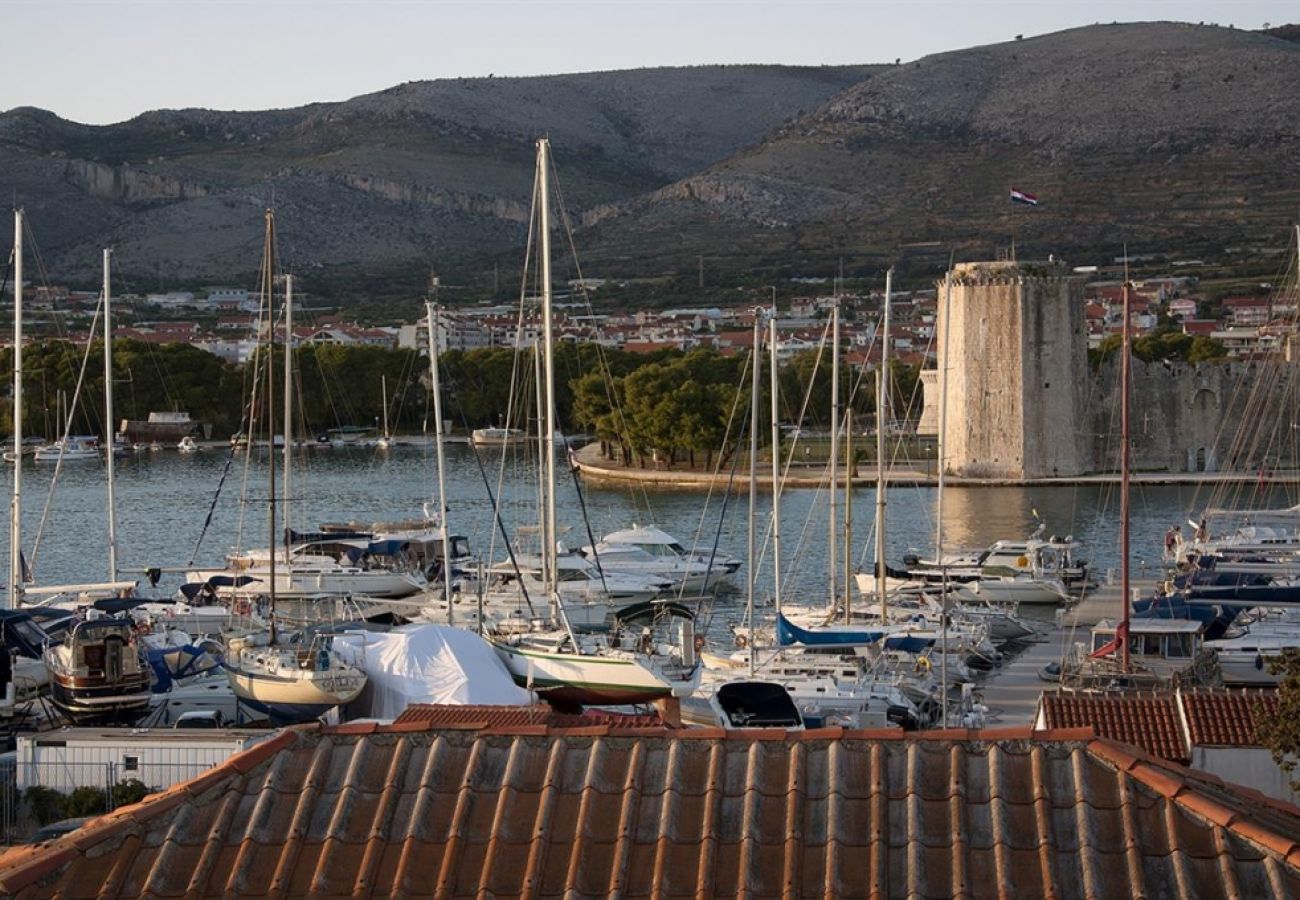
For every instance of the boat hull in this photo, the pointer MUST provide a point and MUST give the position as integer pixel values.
(288, 700)
(101, 704)
(371, 583)
(1030, 593)
(573, 679)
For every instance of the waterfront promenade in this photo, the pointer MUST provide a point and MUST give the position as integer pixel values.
(598, 470)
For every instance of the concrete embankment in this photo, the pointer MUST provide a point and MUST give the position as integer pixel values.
(598, 470)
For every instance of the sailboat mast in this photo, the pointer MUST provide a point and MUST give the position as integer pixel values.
(16, 504)
(939, 451)
(1126, 374)
(108, 416)
(833, 544)
(288, 408)
(548, 337)
(776, 467)
(941, 445)
(438, 454)
(882, 417)
(755, 363)
(848, 511)
(383, 396)
(268, 288)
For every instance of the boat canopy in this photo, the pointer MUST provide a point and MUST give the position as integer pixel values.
(788, 634)
(638, 534)
(428, 664)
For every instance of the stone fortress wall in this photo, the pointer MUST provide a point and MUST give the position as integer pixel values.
(1024, 403)
(1011, 413)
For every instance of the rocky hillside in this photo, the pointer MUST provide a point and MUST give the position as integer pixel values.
(410, 176)
(1170, 137)
(1166, 137)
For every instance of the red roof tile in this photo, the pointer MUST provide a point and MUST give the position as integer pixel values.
(1226, 718)
(1148, 721)
(431, 715)
(512, 812)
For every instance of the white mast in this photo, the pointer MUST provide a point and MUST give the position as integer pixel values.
(832, 493)
(383, 394)
(941, 448)
(16, 504)
(544, 233)
(756, 362)
(437, 444)
(776, 471)
(108, 416)
(882, 417)
(288, 411)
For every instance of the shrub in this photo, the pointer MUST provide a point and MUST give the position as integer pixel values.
(86, 801)
(132, 790)
(47, 805)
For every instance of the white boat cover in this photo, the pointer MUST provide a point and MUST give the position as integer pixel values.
(426, 664)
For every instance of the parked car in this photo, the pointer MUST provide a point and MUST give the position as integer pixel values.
(58, 829)
(200, 718)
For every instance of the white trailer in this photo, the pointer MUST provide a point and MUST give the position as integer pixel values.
(101, 757)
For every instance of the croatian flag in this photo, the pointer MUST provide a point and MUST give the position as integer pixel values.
(1019, 196)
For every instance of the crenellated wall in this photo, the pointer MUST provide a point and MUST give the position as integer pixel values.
(1024, 403)
(1014, 412)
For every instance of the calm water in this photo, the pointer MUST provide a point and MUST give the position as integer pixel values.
(163, 499)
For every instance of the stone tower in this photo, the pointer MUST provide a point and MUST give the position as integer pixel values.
(1017, 371)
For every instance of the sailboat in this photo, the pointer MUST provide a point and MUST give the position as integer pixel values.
(307, 573)
(650, 654)
(385, 441)
(289, 680)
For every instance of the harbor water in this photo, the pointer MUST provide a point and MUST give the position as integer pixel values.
(164, 499)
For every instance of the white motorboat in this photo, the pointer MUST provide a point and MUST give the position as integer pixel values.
(1021, 590)
(497, 437)
(686, 576)
(578, 581)
(69, 449)
(659, 544)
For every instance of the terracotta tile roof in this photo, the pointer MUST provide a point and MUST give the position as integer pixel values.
(497, 717)
(1149, 721)
(379, 810)
(1226, 718)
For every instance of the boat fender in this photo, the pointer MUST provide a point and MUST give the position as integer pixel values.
(1259, 662)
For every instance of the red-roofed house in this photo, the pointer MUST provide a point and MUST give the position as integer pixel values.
(1214, 731)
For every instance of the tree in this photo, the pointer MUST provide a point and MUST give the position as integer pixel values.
(1280, 733)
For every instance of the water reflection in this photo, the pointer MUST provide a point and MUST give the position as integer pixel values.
(163, 499)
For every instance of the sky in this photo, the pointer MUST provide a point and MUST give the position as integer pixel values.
(98, 62)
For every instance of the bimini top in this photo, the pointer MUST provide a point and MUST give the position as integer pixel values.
(643, 534)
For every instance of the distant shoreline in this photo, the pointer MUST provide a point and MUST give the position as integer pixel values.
(599, 471)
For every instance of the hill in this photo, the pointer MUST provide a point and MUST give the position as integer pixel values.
(1165, 136)
(407, 177)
